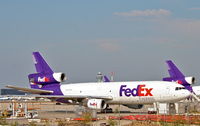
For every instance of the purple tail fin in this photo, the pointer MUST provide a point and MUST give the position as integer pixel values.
(178, 76)
(40, 64)
(106, 79)
(44, 72)
(173, 70)
(45, 78)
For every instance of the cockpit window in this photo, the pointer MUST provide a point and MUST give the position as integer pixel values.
(179, 88)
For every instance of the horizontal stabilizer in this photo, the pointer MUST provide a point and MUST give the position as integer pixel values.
(28, 90)
(168, 79)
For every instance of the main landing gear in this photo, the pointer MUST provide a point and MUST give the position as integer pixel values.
(107, 110)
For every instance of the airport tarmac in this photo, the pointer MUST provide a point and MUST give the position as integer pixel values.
(49, 112)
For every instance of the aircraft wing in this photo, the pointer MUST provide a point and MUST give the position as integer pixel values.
(33, 91)
(73, 97)
(39, 91)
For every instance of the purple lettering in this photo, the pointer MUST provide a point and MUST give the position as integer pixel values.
(139, 91)
(121, 89)
(127, 92)
(134, 92)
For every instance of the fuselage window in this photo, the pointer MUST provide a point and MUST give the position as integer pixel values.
(179, 88)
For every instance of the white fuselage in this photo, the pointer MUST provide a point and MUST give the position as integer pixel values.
(138, 92)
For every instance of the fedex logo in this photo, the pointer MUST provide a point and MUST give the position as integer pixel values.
(93, 104)
(44, 79)
(139, 91)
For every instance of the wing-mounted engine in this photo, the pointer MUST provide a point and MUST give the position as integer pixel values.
(43, 79)
(95, 104)
(190, 80)
(134, 106)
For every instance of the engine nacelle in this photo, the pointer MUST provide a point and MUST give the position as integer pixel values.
(59, 77)
(96, 104)
(40, 78)
(190, 80)
(134, 106)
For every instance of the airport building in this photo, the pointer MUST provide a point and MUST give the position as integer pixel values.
(11, 92)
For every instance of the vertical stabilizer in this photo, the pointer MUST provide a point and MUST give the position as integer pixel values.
(106, 79)
(40, 64)
(177, 76)
(173, 70)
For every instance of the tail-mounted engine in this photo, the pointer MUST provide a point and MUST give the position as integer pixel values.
(95, 104)
(185, 80)
(39, 78)
(190, 80)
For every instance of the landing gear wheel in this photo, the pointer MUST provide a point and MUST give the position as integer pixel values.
(107, 110)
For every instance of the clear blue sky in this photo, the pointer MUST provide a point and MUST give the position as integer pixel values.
(132, 38)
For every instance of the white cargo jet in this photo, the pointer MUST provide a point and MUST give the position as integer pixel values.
(46, 83)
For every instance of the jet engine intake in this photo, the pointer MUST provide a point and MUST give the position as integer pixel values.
(190, 80)
(96, 104)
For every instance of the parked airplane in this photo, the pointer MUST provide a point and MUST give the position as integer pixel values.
(99, 95)
(5, 98)
(177, 76)
(16, 97)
